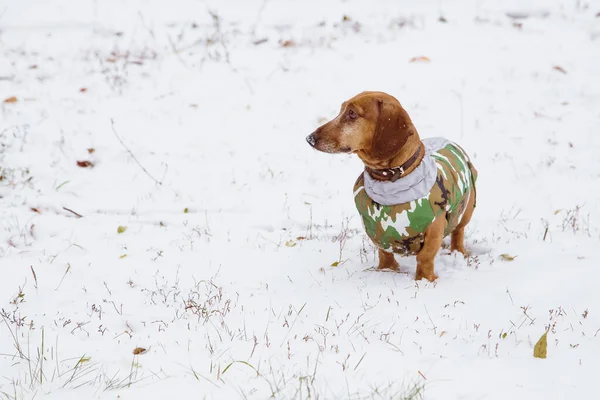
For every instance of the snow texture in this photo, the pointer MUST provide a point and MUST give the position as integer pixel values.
(244, 271)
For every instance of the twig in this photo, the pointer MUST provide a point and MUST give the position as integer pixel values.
(112, 124)
(258, 16)
(359, 361)
(217, 23)
(15, 340)
(73, 212)
(434, 327)
(511, 299)
(34, 276)
(293, 323)
(63, 278)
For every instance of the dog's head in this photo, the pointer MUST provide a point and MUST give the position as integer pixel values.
(372, 124)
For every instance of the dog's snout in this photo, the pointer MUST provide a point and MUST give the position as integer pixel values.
(311, 139)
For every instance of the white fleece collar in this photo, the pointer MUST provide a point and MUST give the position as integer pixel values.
(411, 187)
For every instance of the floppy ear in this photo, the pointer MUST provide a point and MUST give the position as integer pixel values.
(392, 130)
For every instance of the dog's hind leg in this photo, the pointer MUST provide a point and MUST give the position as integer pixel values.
(458, 234)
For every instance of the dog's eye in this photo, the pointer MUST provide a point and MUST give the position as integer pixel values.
(352, 114)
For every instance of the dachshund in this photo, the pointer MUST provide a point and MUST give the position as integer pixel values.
(412, 192)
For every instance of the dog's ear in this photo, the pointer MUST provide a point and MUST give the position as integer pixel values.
(392, 131)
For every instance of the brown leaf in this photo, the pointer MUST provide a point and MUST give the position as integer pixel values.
(83, 90)
(91, 150)
(335, 263)
(85, 164)
(442, 19)
(559, 69)
(11, 99)
(287, 43)
(34, 210)
(33, 66)
(139, 350)
(301, 238)
(420, 59)
(111, 59)
(346, 18)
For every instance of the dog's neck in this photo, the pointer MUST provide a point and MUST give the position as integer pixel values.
(401, 164)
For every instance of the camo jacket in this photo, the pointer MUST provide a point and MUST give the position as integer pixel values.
(401, 227)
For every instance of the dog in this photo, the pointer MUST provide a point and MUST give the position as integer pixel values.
(412, 192)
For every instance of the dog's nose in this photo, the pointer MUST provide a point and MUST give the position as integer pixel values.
(311, 139)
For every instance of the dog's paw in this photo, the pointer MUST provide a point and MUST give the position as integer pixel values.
(462, 251)
(430, 276)
(390, 266)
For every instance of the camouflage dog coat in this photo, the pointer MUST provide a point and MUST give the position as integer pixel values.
(396, 214)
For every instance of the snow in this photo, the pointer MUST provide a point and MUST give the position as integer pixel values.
(224, 273)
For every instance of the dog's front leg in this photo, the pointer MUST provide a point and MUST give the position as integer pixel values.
(387, 260)
(434, 235)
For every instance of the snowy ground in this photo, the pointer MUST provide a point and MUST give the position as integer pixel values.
(224, 273)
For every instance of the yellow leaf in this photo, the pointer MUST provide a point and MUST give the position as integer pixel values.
(185, 210)
(541, 347)
(123, 256)
(557, 211)
(290, 243)
(84, 359)
(443, 333)
(121, 229)
(507, 257)
(335, 264)
(11, 99)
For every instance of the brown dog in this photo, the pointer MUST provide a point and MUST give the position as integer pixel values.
(412, 193)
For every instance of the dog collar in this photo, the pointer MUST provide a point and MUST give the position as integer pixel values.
(393, 174)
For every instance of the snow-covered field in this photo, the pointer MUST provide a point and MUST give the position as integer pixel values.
(241, 269)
